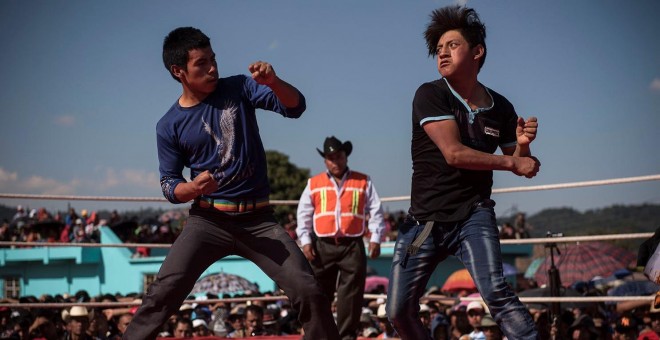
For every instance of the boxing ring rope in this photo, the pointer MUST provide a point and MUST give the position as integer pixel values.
(384, 199)
(367, 296)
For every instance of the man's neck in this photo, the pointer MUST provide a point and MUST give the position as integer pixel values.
(338, 179)
(472, 92)
(189, 98)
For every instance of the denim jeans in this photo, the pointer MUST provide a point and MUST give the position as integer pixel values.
(476, 243)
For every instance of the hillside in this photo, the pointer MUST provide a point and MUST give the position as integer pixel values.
(610, 220)
(570, 222)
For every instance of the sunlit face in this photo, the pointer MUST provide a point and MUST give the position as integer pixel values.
(201, 72)
(182, 330)
(123, 322)
(455, 57)
(336, 162)
(78, 325)
(253, 320)
(474, 317)
(492, 333)
(237, 323)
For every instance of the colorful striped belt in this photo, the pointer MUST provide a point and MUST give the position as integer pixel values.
(224, 205)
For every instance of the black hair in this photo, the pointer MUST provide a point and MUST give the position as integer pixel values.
(255, 309)
(465, 20)
(178, 43)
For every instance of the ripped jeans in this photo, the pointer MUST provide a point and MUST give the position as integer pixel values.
(475, 242)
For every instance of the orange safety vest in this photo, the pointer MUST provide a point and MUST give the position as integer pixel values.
(351, 203)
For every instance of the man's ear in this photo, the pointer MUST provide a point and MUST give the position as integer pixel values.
(478, 51)
(177, 71)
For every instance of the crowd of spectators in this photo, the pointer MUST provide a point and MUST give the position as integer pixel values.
(200, 317)
(445, 319)
(40, 225)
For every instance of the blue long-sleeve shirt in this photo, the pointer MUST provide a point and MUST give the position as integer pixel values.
(221, 135)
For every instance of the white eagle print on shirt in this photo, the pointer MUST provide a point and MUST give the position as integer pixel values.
(225, 141)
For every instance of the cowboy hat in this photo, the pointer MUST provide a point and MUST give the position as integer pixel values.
(332, 144)
(75, 311)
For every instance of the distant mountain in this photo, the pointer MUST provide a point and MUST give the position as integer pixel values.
(570, 222)
(616, 219)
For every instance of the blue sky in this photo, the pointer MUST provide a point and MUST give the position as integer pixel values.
(83, 86)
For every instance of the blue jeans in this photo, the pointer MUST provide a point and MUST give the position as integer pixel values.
(476, 243)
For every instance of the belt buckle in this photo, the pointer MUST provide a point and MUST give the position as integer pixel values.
(204, 203)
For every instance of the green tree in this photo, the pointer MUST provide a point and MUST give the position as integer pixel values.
(287, 181)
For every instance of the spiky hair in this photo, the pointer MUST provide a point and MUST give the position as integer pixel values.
(465, 20)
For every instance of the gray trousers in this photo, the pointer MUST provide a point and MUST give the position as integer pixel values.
(341, 266)
(210, 235)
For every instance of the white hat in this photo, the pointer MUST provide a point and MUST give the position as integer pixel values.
(423, 308)
(475, 305)
(199, 322)
(382, 314)
(185, 306)
(75, 311)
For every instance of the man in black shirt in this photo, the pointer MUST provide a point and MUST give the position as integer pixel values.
(458, 124)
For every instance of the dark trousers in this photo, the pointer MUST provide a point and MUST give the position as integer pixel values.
(211, 235)
(341, 266)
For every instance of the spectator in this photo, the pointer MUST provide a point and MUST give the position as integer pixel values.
(42, 328)
(440, 327)
(185, 311)
(507, 232)
(183, 328)
(122, 323)
(5, 232)
(490, 328)
(20, 214)
(583, 328)
(77, 323)
(114, 218)
(98, 325)
(458, 323)
(521, 226)
(236, 320)
(200, 328)
(387, 331)
(625, 327)
(271, 320)
(425, 317)
(475, 312)
(254, 319)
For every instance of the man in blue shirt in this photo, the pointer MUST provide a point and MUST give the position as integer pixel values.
(212, 129)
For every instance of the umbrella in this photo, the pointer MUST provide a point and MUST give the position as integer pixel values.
(459, 280)
(509, 269)
(545, 292)
(584, 261)
(533, 267)
(465, 303)
(222, 283)
(376, 283)
(624, 255)
(634, 288)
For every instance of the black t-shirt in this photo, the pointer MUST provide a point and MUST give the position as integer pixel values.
(441, 192)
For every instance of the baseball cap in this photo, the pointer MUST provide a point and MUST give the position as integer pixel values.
(475, 305)
(199, 322)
